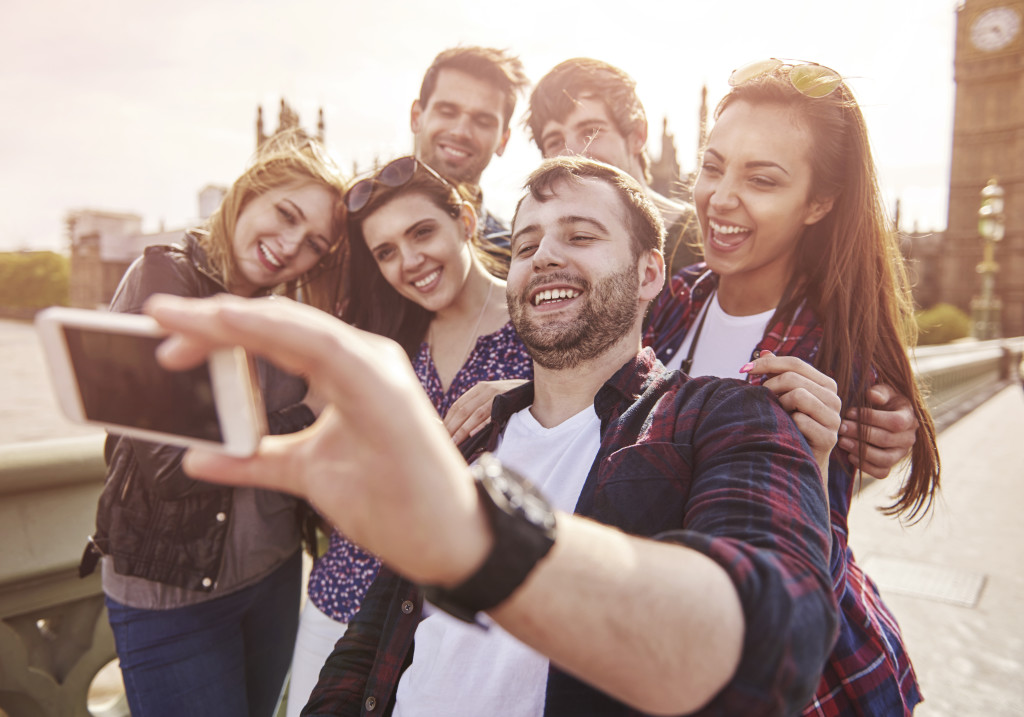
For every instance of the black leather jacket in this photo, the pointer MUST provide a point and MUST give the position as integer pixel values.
(153, 520)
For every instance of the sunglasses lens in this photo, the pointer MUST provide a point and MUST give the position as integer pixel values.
(814, 80)
(398, 172)
(754, 69)
(357, 197)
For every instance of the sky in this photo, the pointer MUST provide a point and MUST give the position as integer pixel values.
(134, 105)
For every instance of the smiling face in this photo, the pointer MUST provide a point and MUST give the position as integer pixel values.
(589, 131)
(753, 197)
(280, 235)
(422, 251)
(461, 126)
(575, 288)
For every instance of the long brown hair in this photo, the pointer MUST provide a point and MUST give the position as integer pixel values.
(286, 158)
(850, 272)
(371, 302)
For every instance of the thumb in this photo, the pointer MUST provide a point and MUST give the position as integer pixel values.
(263, 470)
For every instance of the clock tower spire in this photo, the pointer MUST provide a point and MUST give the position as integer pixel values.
(988, 141)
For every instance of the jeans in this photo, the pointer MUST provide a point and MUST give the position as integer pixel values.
(224, 658)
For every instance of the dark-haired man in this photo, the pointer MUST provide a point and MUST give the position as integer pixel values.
(586, 107)
(672, 556)
(461, 118)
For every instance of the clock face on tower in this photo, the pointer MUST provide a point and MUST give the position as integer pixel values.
(995, 28)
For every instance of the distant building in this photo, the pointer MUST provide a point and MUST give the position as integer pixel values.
(667, 177)
(104, 244)
(988, 141)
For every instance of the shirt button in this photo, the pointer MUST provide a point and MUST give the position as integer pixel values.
(207, 582)
(407, 607)
(371, 703)
(221, 517)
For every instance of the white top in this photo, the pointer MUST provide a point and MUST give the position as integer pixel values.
(458, 668)
(725, 344)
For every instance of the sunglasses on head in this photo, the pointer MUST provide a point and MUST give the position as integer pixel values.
(394, 174)
(808, 78)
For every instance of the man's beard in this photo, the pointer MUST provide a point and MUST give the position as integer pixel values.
(607, 314)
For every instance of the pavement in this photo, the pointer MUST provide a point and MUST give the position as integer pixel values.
(955, 580)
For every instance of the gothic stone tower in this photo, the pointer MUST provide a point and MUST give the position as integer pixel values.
(988, 141)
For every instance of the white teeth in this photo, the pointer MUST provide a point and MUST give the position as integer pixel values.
(722, 229)
(427, 279)
(555, 295)
(269, 257)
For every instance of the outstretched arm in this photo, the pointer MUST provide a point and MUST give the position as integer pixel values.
(603, 605)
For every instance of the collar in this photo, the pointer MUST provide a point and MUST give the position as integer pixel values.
(199, 259)
(625, 386)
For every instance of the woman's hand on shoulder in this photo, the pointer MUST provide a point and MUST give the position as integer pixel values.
(890, 430)
(472, 410)
(809, 396)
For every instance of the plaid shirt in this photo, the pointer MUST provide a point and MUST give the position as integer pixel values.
(869, 671)
(714, 465)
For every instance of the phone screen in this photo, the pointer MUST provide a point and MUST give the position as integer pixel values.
(120, 382)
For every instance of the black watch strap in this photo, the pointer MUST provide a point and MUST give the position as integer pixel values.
(523, 524)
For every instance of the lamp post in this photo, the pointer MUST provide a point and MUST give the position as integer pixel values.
(985, 309)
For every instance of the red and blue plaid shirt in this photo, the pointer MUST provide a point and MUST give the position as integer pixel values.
(714, 465)
(869, 671)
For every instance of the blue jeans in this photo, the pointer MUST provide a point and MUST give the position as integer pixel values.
(224, 658)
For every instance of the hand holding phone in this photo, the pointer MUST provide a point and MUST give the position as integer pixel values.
(104, 371)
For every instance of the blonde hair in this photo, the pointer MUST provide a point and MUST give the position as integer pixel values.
(286, 158)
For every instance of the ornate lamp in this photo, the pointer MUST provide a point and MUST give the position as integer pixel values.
(986, 308)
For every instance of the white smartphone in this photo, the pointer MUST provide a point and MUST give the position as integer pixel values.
(104, 371)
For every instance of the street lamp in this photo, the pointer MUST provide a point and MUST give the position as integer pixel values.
(986, 308)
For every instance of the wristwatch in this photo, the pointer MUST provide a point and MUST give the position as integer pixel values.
(523, 523)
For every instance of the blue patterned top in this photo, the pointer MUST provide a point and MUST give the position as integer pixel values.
(341, 576)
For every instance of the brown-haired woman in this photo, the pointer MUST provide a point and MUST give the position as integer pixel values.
(802, 269)
(417, 273)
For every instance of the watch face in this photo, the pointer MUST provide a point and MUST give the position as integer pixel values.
(995, 28)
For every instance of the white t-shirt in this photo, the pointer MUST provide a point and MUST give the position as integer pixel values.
(725, 344)
(458, 668)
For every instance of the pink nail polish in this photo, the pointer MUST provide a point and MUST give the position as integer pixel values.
(746, 367)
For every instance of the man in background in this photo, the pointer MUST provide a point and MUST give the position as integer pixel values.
(461, 119)
(589, 108)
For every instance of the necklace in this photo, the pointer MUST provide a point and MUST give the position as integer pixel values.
(687, 363)
(473, 334)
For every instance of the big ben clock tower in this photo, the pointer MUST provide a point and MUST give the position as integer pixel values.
(988, 141)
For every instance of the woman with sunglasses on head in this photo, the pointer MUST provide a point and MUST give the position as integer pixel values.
(203, 582)
(417, 273)
(802, 268)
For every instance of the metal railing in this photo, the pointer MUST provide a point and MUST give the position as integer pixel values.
(957, 377)
(54, 635)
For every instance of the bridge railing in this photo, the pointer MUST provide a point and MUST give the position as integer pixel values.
(54, 635)
(958, 376)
